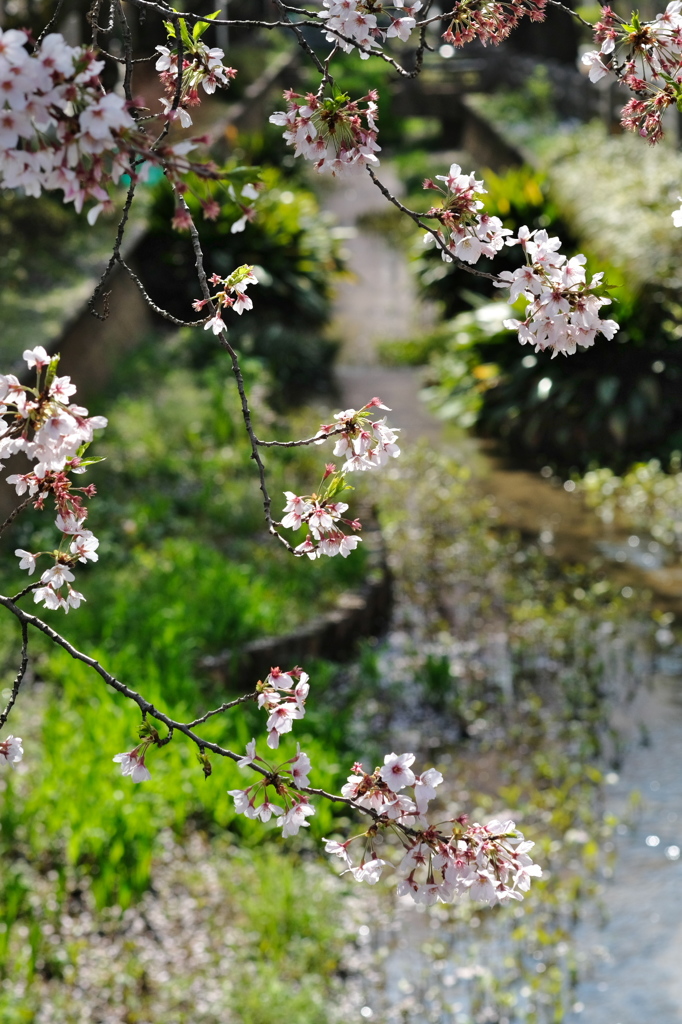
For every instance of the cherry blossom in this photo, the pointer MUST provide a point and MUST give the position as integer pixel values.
(230, 295)
(369, 871)
(364, 445)
(59, 130)
(11, 751)
(489, 863)
(132, 764)
(330, 131)
(28, 561)
(354, 23)
(472, 234)
(562, 310)
(396, 771)
(490, 21)
(283, 713)
(300, 767)
(201, 66)
(294, 818)
(646, 57)
(49, 430)
(286, 779)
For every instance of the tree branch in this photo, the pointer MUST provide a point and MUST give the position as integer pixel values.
(19, 676)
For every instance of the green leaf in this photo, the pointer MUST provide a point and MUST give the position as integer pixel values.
(186, 38)
(170, 29)
(201, 26)
(51, 370)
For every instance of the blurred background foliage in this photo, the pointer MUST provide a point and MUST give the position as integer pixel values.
(155, 898)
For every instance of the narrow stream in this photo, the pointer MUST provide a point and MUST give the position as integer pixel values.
(630, 940)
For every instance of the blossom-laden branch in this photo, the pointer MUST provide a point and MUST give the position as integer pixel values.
(50, 431)
(60, 130)
(489, 863)
(364, 445)
(562, 310)
(646, 57)
(490, 21)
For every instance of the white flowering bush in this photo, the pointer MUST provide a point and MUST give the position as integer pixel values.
(61, 130)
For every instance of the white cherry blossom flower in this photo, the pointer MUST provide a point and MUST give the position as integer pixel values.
(28, 561)
(11, 751)
(396, 771)
(294, 819)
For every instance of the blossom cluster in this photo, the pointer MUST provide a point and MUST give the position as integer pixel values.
(11, 751)
(490, 863)
(201, 66)
(336, 133)
(231, 294)
(562, 310)
(285, 780)
(646, 56)
(59, 129)
(490, 21)
(471, 234)
(363, 445)
(351, 23)
(53, 433)
(283, 695)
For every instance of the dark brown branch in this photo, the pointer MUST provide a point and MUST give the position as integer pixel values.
(148, 709)
(27, 590)
(127, 51)
(152, 305)
(51, 23)
(13, 515)
(115, 255)
(145, 706)
(19, 678)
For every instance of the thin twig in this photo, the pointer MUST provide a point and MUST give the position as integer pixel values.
(27, 590)
(417, 218)
(236, 370)
(304, 44)
(51, 23)
(19, 678)
(223, 707)
(152, 305)
(13, 515)
(299, 444)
